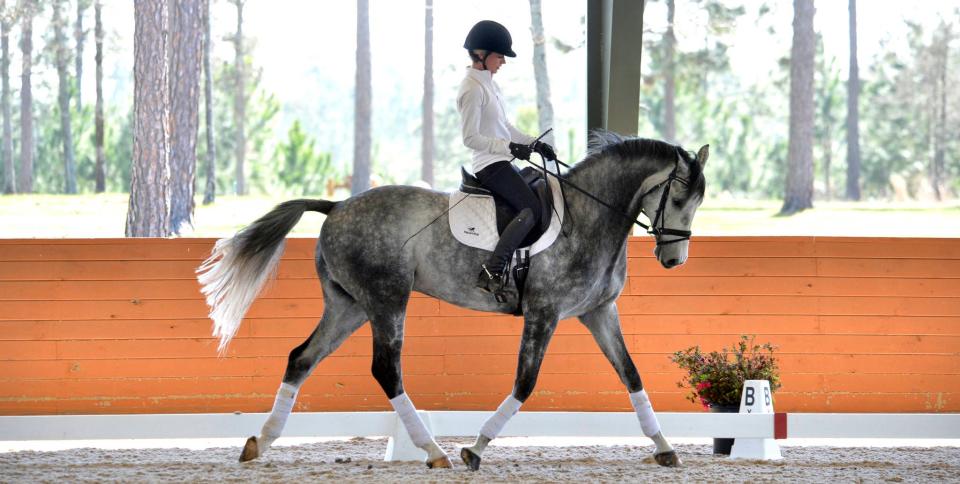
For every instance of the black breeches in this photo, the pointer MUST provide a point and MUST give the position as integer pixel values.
(503, 178)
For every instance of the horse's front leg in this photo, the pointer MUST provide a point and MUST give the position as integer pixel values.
(537, 331)
(604, 323)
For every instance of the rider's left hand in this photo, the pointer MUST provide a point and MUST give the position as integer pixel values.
(545, 150)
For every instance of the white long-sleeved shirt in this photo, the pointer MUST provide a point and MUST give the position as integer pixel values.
(483, 121)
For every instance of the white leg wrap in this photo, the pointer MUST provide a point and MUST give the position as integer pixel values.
(648, 420)
(492, 427)
(419, 434)
(282, 406)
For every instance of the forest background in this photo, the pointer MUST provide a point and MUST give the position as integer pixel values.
(284, 91)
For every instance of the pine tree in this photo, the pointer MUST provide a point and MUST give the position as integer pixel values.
(210, 189)
(28, 9)
(63, 96)
(187, 44)
(148, 214)
(6, 23)
(362, 103)
(544, 105)
(240, 103)
(99, 169)
(798, 195)
(427, 146)
(853, 111)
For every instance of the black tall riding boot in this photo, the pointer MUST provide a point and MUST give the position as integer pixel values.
(493, 274)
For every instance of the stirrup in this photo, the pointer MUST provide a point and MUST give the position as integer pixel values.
(492, 283)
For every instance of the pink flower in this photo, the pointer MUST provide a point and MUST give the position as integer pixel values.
(703, 385)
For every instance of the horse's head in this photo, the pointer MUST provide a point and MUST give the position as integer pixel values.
(670, 200)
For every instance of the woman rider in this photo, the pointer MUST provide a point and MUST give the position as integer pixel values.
(493, 140)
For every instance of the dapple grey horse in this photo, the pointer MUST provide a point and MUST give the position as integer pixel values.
(367, 272)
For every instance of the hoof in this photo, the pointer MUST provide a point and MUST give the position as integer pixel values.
(470, 459)
(250, 450)
(668, 459)
(441, 463)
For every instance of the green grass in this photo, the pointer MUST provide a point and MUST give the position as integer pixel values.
(86, 216)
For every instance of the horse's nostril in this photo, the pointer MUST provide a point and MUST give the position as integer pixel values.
(673, 262)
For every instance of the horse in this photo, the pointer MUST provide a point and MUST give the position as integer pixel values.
(368, 262)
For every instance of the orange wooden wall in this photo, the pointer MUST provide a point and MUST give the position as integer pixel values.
(118, 326)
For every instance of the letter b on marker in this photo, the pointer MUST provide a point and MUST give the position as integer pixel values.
(751, 400)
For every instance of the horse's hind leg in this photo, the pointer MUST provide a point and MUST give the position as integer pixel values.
(537, 331)
(604, 323)
(341, 317)
(387, 329)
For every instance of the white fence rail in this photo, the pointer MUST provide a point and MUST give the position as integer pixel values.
(453, 423)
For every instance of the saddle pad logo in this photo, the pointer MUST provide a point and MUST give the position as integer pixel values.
(471, 231)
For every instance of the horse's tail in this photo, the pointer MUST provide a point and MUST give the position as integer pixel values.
(239, 266)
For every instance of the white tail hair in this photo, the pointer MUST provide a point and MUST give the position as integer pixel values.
(231, 279)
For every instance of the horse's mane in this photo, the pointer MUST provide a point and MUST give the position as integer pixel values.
(605, 143)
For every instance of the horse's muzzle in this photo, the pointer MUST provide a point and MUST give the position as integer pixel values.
(668, 263)
(671, 263)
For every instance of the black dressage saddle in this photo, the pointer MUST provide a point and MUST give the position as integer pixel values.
(505, 213)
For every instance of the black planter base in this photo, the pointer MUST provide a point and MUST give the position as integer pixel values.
(723, 446)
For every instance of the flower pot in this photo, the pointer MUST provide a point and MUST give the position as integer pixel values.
(722, 446)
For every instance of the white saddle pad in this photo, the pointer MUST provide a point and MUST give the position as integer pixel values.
(473, 219)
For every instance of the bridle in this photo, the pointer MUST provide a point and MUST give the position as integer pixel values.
(657, 226)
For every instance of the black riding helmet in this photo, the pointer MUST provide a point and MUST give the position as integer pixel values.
(489, 36)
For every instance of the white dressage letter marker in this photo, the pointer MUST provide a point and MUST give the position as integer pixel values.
(756, 399)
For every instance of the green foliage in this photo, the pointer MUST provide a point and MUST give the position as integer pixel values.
(48, 157)
(260, 114)
(716, 378)
(527, 120)
(300, 168)
(747, 126)
(829, 122)
(449, 152)
(899, 112)
(710, 103)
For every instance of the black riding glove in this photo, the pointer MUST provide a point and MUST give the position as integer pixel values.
(545, 150)
(519, 151)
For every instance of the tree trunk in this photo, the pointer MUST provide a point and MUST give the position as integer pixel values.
(9, 180)
(544, 106)
(99, 170)
(826, 144)
(853, 112)
(148, 214)
(25, 175)
(426, 150)
(799, 182)
(240, 102)
(941, 51)
(185, 58)
(80, 37)
(362, 103)
(669, 77)
(210, 191)
(63, 97)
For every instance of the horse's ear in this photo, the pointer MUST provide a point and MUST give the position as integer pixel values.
(703, 154)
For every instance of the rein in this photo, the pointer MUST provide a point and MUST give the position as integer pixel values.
(652, 229)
